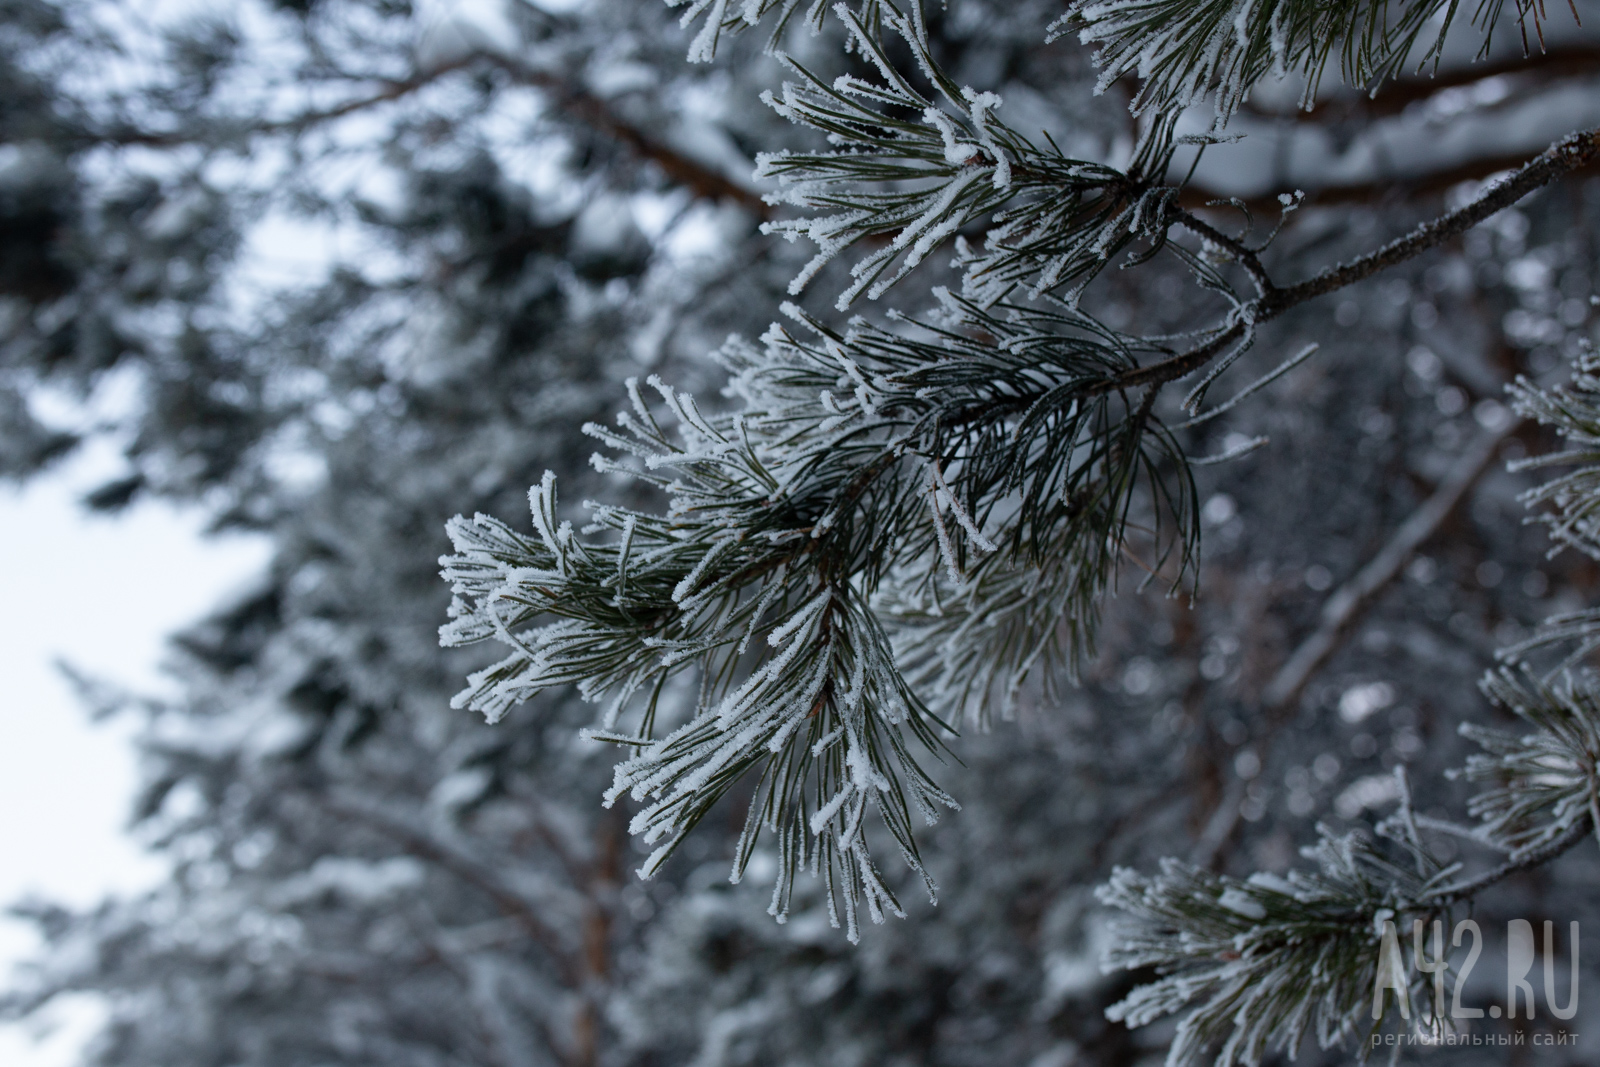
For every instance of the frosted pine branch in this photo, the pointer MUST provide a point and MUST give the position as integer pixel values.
(1267, 960)
(1183, 52)
(800, 568)
(910, 171)
(1262, 960)
(1545, 782)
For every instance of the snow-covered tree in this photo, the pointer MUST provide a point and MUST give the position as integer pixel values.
(503, 220)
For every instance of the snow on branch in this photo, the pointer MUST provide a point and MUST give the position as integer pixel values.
(800, 567)
(1574, 411)
(1262, 960)
(1269, 959)
(735, 16)
(1567, 505)
(1542, 784)
(1182, 51)
(910, 171)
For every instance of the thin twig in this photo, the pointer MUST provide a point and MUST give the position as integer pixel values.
(1565, 156)
(1342, 609)
(1246, 256)
(1219, 828)
(425, 846)
(1352, 598)
(1444, 896)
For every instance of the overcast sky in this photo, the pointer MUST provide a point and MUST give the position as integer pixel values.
(99, 592)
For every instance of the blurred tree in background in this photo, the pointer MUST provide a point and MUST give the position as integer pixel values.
(351, 268)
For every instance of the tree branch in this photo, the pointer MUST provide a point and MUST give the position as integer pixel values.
(686, 171)
(1553, 64)
(682, 169)
(425, 846)
(1565, 156)
(1348, 603)
(1246, 256)
(1451, 894)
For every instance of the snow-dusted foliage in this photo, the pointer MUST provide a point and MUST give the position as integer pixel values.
(873, 500)
(1012, 438)
(1187, 53)
(910, 186)
(1543, 785)
(1573, 515)
(1271, 959)
(1569, 504)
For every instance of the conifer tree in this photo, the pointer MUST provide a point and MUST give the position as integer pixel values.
(357, 873)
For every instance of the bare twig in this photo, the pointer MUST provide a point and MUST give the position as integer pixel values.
(1220, 827)
(1341, 610)
(426, 846)
(1351, 599)
(1444, 896)
(1246, 256)
(1565, 156)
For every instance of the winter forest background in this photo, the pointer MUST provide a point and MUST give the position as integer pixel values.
(330, 272)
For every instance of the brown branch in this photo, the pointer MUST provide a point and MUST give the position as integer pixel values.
(1565, 61)
(391, 91)
(426, 847)
(682, 169)
(700, 179)
(597, 925)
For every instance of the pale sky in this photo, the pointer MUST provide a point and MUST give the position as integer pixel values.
(99, 592)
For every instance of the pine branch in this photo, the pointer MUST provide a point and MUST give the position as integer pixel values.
(1570, 504)
(1269, 959)
(1184, 52)
(1456, 892)
(1543, 800)
(1560, 159)
(1543, 783)
(908, 184)
(736, 16)
(909, 520)
(916, 519)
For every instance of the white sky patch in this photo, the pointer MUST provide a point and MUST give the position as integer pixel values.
(101, 593)
(285, 251)
(700, 234)
(654, 212)
(452, 30)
